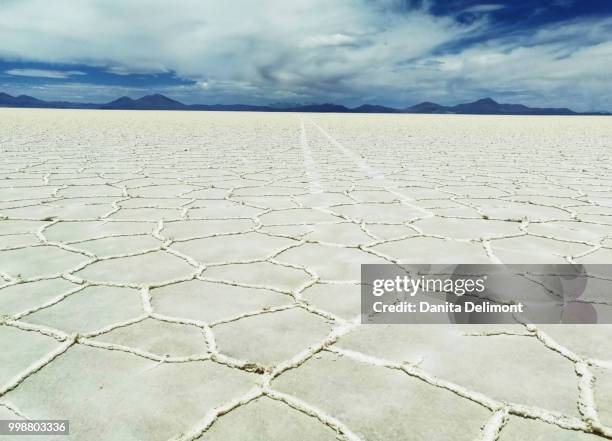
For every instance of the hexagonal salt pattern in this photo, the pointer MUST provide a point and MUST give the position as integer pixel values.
(270, 420)
(195, 275)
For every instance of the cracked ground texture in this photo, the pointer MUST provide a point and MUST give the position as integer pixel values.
(195, 276)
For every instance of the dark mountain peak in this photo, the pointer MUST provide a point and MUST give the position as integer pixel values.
(123, 99)
(27, 99)
(483, 106)
(147, 102)
(325, 108)
(373, 108)
(7, 100)
(124, 102)
(158, 99)
(286, 105)
(485, 101)
(427, 107)
(488, 106)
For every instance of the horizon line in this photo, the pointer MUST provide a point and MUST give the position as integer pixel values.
(325, 107)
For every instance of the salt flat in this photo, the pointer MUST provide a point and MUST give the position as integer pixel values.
(194, 275)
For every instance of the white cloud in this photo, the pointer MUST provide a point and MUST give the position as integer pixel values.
(327, 40)
(484, 8)
(118, 70)
(43, 73)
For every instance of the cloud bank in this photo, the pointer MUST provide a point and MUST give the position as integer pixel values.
(43, 73)
(348, 51)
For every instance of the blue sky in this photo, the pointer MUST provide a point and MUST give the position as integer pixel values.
(393, 52)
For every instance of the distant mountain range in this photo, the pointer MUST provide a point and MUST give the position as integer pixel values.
(485, 106)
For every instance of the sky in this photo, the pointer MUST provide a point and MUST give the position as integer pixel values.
(553, 53)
